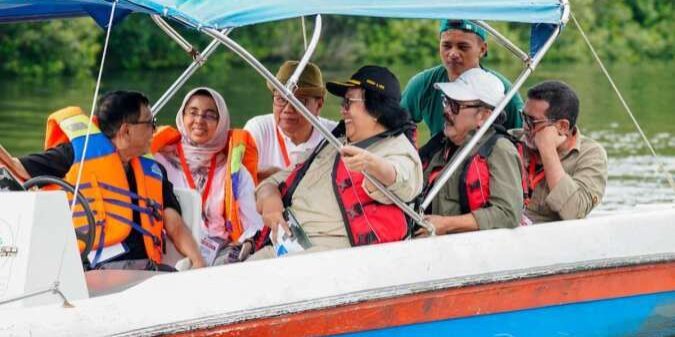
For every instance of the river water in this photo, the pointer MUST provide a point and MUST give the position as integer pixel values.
(633, 175)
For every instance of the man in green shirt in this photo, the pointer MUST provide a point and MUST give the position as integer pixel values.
(486, 192)
(462, 45)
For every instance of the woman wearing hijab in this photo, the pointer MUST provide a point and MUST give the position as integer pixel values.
(205, 155)
(327, 195)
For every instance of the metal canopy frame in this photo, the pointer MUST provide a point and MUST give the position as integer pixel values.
(287, 91)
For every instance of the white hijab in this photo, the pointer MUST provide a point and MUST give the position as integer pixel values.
(198, 157)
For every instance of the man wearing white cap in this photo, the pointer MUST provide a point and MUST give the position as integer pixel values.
(486, 192)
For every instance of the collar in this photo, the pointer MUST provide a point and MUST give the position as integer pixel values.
(449, 148)
(577, 144)
(313, 139)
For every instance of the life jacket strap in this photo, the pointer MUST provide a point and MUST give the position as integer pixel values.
(151, 210)
(101, 244)
(155, 240)
(124, 192)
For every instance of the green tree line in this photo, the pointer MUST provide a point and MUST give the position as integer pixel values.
(629, 31)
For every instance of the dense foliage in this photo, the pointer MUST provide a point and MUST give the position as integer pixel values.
(627, 30)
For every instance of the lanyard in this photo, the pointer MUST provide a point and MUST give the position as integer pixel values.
(188, 175)
(282, 145)
(533, 177)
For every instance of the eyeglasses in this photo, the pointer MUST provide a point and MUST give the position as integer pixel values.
(208, 116)
(531, 123)
(347, 102)
(281, 102)
(152, 122)
(455, 106)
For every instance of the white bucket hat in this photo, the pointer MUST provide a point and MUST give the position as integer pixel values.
(474, 84)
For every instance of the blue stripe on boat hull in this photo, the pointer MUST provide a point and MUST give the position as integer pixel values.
(645, 315)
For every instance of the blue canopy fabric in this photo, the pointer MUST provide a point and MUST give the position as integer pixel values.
(219, 14)
(36, 10)
(236, 13)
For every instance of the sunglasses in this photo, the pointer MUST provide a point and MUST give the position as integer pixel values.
(281, 102)
(455, 106)
(347, 102)
(209, 116)
(152, 122)
(531, 123)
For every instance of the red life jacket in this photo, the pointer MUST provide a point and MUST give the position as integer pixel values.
(366, 220)
(474, 180)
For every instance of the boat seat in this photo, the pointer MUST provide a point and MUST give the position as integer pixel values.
(191, 209)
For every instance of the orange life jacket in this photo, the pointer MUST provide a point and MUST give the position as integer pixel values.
(104, 184)
(241, 150)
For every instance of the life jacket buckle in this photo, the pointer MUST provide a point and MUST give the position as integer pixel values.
(355, 211)
(345, 184)
(154, 208)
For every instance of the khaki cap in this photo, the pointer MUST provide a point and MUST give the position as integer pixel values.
(310, 82)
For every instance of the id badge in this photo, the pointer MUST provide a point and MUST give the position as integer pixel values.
(296, 242)
(210, 246)
(108, 253)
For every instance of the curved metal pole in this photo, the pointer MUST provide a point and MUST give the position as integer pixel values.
(191, 69)
(459, 157)
(567, 10)
(309, 51)
(304, 32)
(182, 42)
(288, 95)
(501, 39)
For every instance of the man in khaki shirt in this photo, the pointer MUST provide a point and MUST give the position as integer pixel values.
(567, 172)
(468, 102)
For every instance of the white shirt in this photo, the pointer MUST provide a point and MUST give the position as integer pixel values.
(263, 129)
(213, 211)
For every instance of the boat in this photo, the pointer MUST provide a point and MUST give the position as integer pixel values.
(612, 274)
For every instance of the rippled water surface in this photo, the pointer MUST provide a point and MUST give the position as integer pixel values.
(633, 174)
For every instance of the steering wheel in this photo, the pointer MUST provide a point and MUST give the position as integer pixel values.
(85, 237)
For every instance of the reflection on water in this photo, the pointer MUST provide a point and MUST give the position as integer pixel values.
(633, 176)
(619, 143)
(636, 180)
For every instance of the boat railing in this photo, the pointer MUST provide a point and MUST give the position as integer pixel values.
(174, 35)
(197, 63)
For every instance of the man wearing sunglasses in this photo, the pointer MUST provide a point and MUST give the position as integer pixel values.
(132, 199)
(284, 137)
(462, 45)
(567, 172)
(486, 192)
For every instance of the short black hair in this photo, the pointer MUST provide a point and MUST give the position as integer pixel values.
(387, 110)
(389, 113)
(563, 102)
(117, 107)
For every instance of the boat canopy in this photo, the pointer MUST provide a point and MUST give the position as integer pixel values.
(220, 14)
(38, 10)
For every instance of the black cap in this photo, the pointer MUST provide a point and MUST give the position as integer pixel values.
(375, 78)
